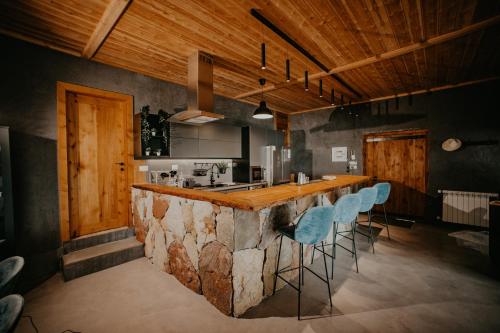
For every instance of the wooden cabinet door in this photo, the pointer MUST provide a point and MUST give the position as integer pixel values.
(97, 163)
(400, 158)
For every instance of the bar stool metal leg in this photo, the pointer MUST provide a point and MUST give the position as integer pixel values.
(353, 227)
(314, 250)
(277, 266)
(301, 277)
(334, 250)
(353, 232)
(302, 248)
(371, 230)
(326, 275)
(386, 223)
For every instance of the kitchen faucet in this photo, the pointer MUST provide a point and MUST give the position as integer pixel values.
(212, 179)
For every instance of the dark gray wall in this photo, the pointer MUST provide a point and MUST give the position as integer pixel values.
(468, 113)
(28, 93)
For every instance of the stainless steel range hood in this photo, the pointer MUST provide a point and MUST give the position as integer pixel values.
(200, 94)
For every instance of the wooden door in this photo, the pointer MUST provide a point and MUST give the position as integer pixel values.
(97, 163)
(401, 158)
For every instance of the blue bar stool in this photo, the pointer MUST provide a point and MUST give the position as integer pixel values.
(11, 308)
(346, 210)
(383, 191)
(312, 228)
(9, 272)
(368, 197)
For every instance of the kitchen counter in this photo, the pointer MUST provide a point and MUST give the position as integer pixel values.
(224, 245)
(259, 198)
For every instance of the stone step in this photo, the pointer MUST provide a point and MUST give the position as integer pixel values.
(97, 238)
(99, 257)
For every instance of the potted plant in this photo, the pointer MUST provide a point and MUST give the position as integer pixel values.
(164, 126)
(145, 127)
(222, 167)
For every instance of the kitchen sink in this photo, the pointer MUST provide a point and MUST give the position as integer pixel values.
(205, 187)
(217, 185)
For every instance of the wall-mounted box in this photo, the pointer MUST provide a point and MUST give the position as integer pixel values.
(339, 154)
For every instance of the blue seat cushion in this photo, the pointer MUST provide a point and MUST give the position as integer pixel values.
(314, 225)
(11, 308)
(383, 191)
(368, 198)
(9, 271)
(346, 208)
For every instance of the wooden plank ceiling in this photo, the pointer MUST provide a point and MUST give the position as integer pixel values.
(156, 37)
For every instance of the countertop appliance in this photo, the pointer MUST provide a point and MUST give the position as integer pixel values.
(255, 173)
(275, 162)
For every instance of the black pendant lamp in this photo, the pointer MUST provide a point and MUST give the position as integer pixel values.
(341, 102)
(320, 88)
(262, 111)
(263, 56)
(332, 97)
(306, 81)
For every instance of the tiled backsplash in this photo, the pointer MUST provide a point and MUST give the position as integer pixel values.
(187, 167)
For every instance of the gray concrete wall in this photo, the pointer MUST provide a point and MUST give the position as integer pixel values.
(468, 113)
(28, 93)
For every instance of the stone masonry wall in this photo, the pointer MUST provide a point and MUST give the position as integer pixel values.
(227, 254)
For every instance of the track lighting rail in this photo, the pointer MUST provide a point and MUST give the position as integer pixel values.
(255, 13)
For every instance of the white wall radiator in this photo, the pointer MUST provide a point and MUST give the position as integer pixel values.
(471, 208)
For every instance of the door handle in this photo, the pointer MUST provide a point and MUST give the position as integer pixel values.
(121, 163)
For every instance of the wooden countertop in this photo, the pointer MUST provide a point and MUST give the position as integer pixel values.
(259, 198)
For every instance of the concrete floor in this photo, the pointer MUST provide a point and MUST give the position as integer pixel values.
(419, 281)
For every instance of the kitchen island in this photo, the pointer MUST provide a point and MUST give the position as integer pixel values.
(224, 245)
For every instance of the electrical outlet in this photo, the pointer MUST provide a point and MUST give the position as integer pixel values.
(143, 168)
(175, 167)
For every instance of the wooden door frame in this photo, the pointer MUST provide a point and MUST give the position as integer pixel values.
(396, 134)
(62, 152)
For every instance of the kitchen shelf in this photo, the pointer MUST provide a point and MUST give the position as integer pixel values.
(155, 142)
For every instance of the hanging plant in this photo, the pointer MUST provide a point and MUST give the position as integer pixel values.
(164, 125)
(145, 127)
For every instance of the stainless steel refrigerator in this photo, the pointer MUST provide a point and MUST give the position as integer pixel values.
(275, 162)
